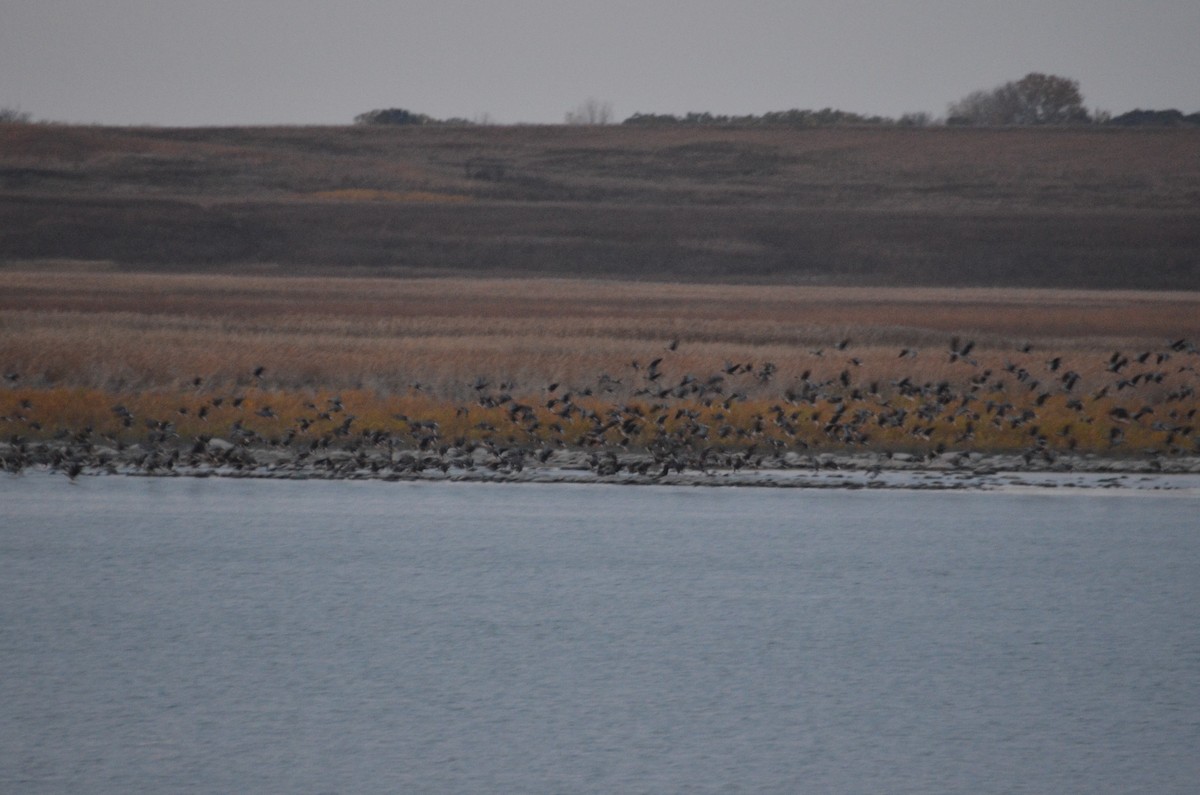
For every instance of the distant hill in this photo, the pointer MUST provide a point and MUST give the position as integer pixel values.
(1073, 207)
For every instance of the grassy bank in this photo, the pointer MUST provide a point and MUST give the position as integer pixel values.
(1079, 208)
(668, 369)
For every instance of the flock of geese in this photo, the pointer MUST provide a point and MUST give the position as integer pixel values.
(652, 421)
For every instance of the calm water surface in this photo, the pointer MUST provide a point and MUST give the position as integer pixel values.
(221, 635)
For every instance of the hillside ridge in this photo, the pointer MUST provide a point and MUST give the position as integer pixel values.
(1075, 207)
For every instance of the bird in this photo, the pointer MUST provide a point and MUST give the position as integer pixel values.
(957, 353)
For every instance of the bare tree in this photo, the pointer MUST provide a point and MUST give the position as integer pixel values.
(591, 112)
(980, 108)
(1046, 99)
(1035, 99)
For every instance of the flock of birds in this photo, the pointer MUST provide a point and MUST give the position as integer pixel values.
(650, 422)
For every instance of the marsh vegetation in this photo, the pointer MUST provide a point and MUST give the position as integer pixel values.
(639, 375)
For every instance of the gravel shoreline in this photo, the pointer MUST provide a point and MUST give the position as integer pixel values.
(976, 471)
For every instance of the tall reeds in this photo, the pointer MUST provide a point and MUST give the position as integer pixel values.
(737, 368)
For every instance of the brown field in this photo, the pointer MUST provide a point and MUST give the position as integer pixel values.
(521, 287)
(1075, 208)
(108, 330)
(73, 344)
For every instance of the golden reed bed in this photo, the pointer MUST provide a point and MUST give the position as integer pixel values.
(537, 365)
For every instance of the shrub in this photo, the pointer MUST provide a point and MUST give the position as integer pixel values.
(13, 116)
(1155, 118)
(397, 116)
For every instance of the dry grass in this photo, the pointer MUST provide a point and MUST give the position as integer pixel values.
(806, 239)
(147, 331)
(371, 195)
(76, 344)
(883, 167)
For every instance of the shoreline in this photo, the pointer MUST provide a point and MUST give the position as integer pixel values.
(869, 471)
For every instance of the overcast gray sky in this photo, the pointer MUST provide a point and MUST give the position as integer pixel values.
(211, 62)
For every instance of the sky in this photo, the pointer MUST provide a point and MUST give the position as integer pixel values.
(236, 62)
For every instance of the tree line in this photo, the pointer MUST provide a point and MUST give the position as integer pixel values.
(1036, 100)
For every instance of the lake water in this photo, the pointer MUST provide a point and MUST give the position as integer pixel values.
(205, 635)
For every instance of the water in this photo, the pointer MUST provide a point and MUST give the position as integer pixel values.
(222, 635)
